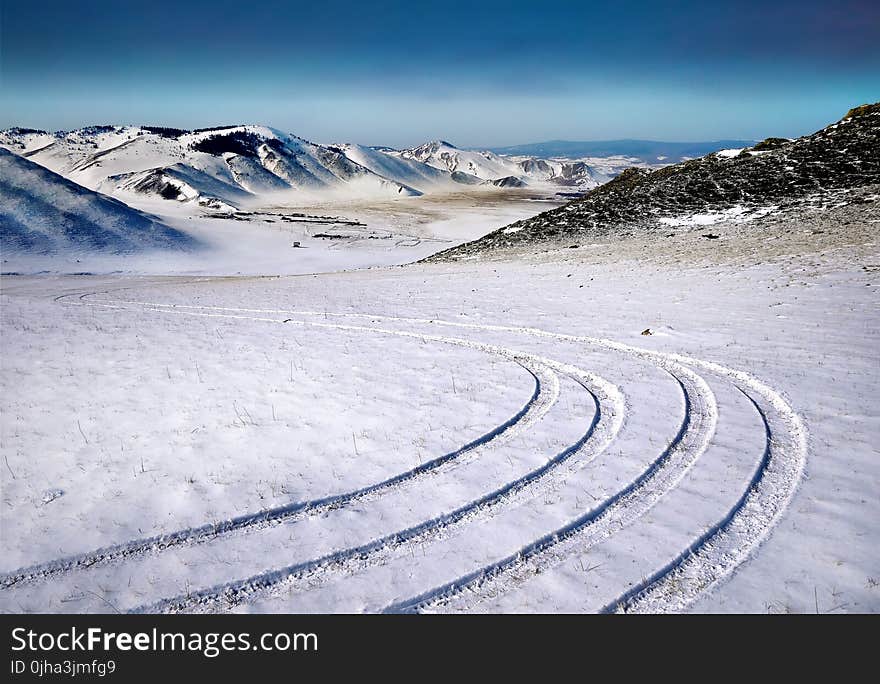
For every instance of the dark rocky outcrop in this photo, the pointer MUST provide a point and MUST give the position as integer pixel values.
(776, 172)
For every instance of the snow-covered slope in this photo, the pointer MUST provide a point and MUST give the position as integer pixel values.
(42, 212)
(406, 170)
(443, 155)
(501, 170)
(214, 167)
(524, 447)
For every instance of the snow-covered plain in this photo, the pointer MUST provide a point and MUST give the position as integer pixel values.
(312, 236)
(478, 436)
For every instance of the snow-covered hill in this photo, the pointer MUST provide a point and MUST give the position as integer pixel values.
(505, 171)
(443, 155)
(42, 212)
(406, 170)
(214, 167)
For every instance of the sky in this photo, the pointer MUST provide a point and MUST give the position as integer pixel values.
(479, 73)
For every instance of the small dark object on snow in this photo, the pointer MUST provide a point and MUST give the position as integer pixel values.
(51, 494)
(287, 320)
(573, 246)
(647, 331)
(710, 236)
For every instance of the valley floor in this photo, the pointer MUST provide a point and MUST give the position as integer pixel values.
(334, 235)
(474, 436)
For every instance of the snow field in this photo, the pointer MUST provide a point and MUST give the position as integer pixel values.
(603, 456)
(230, 416)
(625, 472)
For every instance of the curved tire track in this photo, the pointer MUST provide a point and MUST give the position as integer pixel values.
(771, 496)
(720, 550)
(746, 527)
(606, 424)
(611, 515)
(545, 394)
(701, 567)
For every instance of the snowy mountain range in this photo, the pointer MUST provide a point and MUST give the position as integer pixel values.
(647, 151)
(504, 171)
(231, 167)
(217, 168)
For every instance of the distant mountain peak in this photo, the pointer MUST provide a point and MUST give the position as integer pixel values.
(648, 151)
(433, 146)
(437, 144)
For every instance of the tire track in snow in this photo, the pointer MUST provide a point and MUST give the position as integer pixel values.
(613, 514)
(544, 396)
(718, 551)
(747, 526)
(766, 501)
(604, 424)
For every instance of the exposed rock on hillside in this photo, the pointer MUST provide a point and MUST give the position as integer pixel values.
(769, 179)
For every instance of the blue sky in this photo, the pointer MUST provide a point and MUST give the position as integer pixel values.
(475, 73)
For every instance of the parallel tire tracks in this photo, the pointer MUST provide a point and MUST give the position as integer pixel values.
(544, 396)
(612, 514)
(675, 586)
